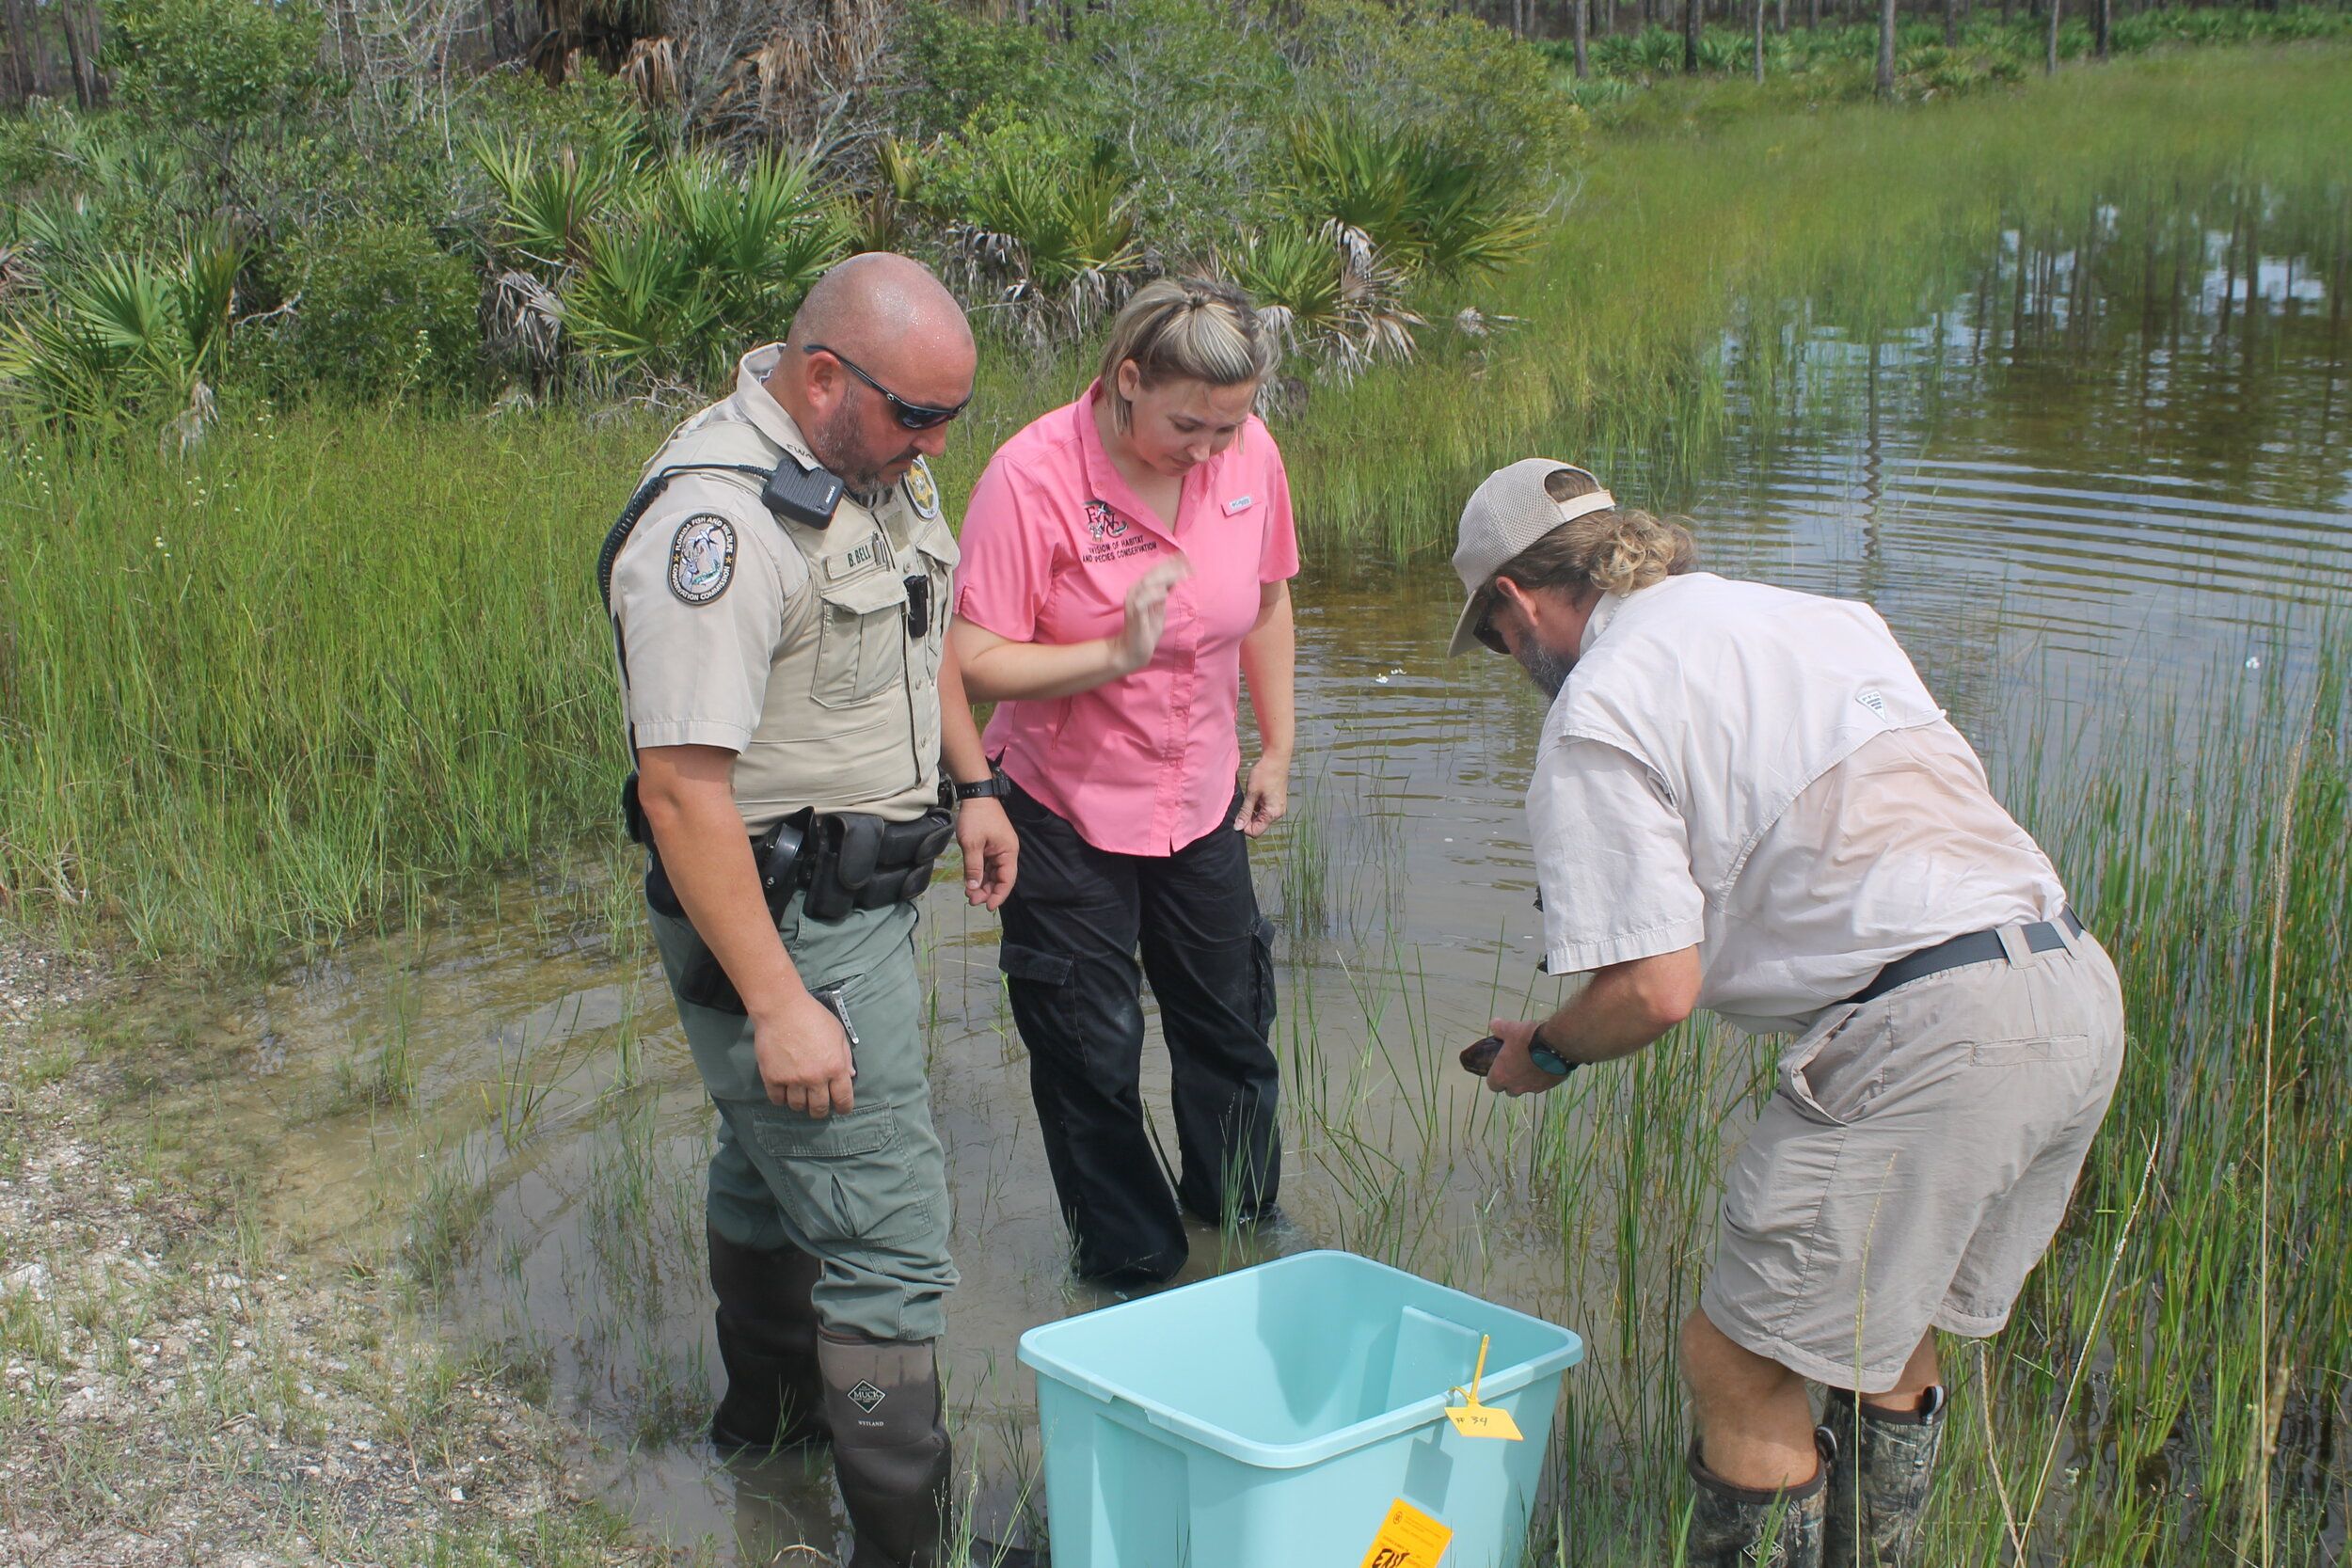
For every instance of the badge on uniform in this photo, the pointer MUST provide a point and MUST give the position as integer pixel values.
(922, 490)
(701, 558)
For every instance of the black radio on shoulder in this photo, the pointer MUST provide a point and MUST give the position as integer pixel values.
(807, 496)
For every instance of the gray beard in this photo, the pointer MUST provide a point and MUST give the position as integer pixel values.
(834, 442)
(1546, 669)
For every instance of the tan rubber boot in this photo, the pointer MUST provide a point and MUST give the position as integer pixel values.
(889, 1447)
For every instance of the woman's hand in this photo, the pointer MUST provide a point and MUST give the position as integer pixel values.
(1266, 797)
(1147, 614)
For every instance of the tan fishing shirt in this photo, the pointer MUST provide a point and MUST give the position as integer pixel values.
(1762, 774)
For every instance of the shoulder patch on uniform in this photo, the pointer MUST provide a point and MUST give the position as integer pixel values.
(701, 558)
(922, 490)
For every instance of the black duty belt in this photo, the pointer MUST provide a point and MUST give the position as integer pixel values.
(846, 861)
(1977, 947)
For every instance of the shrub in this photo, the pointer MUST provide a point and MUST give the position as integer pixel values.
(220, 61)
(384, 312)
(1433, 212)
(125, 333)
(1471, 87)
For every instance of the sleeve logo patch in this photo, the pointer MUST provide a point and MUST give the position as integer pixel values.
(922, 490)
(701, 558)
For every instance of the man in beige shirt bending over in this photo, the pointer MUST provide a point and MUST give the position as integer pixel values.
(1744, 800)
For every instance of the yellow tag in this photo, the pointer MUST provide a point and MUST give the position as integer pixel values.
(1408, 1539)
(1474, 1420)
(1484, 1420)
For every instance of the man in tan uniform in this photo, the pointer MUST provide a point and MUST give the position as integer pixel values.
(777, 588)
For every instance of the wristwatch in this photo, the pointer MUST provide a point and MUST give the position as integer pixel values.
(1546, 1057)
(994, 787)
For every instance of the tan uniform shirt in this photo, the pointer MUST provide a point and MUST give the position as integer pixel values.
(786, 644)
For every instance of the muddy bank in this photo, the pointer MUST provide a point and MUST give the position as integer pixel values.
(177, 1385)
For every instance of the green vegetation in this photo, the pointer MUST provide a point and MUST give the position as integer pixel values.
(260, 692)
(1833, 62)
(460, 240)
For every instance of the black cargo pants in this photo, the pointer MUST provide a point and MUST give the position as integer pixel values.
(1073, 928)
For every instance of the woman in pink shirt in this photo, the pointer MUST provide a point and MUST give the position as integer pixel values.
(1126, 565)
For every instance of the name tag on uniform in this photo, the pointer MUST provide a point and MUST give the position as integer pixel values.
(857, 560)
(1239, 504)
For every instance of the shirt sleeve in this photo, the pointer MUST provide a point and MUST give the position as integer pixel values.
(1613, 857)
(1008, 565)
(697, 674)
(1277, 560)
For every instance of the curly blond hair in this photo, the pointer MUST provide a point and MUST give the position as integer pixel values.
(1618, 550)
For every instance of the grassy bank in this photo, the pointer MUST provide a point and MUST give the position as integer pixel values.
(261, 695)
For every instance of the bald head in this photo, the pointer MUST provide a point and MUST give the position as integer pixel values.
(878, 299)
(892, 319)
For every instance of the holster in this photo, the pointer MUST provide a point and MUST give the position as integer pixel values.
(858, 862)
(776, 853)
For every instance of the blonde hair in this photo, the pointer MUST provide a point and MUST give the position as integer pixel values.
(1618, 550)
(1196, 329)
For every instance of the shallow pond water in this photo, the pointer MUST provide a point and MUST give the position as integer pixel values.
(2080, 506)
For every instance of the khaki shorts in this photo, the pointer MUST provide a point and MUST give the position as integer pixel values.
(1914, 1162)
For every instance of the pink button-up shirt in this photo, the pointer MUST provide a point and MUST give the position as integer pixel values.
(1052, 540)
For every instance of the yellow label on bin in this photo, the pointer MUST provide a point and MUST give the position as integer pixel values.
(1484, 1420)
(1408, 1539)
(1474, 1420)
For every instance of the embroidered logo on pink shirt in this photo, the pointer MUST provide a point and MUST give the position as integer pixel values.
(1106, 526)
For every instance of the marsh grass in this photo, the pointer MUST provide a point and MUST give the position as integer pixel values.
(284, 690)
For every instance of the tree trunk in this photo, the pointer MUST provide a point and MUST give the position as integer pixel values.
(21, 73)
(81, 21)
(1583, 9)
(1951, 23)
(2102, 15)
(2049, 58)
(1759, 43)
(1886, 49)
(1691, 36)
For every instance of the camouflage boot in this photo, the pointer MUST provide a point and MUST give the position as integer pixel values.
(1879, 1491)
(1736, 1526)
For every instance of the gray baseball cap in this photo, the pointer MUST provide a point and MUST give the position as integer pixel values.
(1504, 516)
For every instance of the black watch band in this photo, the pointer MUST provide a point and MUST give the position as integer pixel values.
(994, 787)
(1546, 1057)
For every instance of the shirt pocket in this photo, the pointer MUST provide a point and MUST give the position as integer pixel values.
(861, 639)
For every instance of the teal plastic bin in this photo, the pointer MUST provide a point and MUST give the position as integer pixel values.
(1268, 1419)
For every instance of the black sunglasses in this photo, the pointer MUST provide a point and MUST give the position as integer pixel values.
(1484, 631)
(910, 416)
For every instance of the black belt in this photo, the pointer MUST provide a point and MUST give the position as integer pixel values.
(1977, 947)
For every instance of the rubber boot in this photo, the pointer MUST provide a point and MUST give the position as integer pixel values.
(889, 1447)
(1878, 1491)
(768, 1343)
(1736, 1526)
